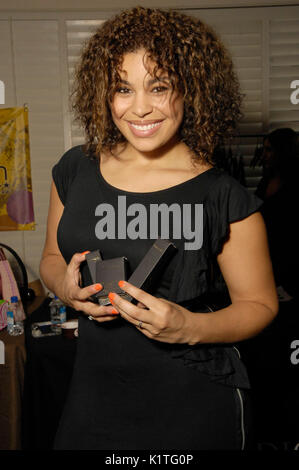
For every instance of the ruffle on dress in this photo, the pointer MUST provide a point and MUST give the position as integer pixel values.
(221, 363)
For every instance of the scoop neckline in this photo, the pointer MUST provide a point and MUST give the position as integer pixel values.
(159, 191)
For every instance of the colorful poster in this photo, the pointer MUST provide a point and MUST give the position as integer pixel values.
(16, 202)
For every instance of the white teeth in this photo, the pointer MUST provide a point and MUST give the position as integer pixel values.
(145, 128)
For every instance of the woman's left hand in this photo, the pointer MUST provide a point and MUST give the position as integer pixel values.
(156, 318)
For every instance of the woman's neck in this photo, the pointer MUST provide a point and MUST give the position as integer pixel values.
(166, 157)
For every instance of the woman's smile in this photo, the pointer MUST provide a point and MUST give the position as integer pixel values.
(145, 130)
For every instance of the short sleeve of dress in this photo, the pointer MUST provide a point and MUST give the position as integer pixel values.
(64, 171)
(228, 201)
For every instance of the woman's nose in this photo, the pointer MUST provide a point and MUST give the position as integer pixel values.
(142, 104)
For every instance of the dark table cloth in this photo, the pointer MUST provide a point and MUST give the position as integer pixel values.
(47, 376)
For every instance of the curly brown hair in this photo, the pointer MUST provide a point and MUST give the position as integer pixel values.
(197, 63)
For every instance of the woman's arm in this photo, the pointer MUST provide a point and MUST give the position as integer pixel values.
(52, 266)
(247, 270)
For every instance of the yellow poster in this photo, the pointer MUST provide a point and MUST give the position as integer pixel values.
(16, 202)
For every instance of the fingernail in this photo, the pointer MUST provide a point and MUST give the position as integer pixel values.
(84, 252)
(121, 284)
(98, 286)
(114, 311)
(111, 296)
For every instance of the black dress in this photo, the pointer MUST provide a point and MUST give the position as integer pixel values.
(128, 391)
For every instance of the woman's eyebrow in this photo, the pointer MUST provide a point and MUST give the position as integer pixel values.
(150, 82)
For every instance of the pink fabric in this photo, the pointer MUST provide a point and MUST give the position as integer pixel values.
(9, 285)
(3, 316)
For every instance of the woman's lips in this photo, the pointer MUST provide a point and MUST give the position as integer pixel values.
(151, 129)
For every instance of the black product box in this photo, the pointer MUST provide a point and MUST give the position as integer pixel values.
(109, 272)
(88, 268)
(149, 270)
(92, 259)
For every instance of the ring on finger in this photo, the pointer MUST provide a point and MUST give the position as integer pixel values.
(140, 324)
(90, 317)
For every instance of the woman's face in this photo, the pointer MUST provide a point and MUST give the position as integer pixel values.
(142, 107)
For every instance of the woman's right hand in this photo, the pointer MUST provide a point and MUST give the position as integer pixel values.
(76, 297)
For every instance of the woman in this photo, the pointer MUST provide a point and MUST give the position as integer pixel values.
(278, 189)
(279, 159)
(161, 374)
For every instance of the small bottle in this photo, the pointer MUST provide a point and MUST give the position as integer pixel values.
(10, 322)
(62, 312)
(18, 326)
(55, 315)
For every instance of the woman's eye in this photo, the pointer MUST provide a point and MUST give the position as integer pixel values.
(122, 90)
(160, 89)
